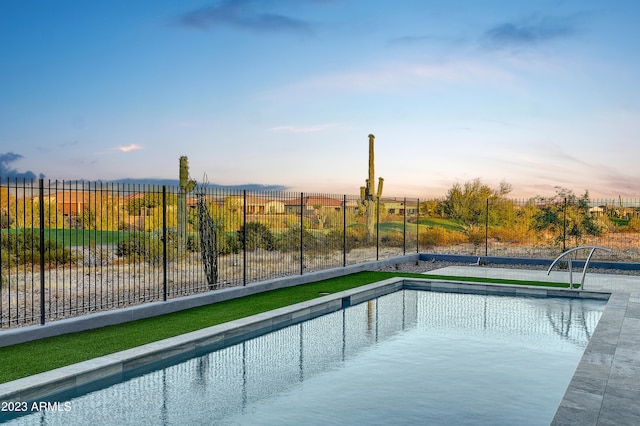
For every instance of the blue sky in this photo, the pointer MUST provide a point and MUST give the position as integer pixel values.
(284, 92)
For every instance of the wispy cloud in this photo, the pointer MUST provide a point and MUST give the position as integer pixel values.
(395, 77)
(527, 32)
(300, 129)
(243, 14)
(128, 148)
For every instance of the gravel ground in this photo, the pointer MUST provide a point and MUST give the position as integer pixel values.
(425, 266)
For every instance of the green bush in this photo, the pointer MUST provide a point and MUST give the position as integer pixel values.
(392, 238)
(227, 243)
(193, 244)
(148, 247)
(290, 240)
(24, 247)
(356, 236)
(258, 235)
(335, 239)
(140, 246)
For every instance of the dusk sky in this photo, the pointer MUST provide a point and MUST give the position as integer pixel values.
(284, 92)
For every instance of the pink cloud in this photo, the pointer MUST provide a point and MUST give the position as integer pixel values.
(128, 148)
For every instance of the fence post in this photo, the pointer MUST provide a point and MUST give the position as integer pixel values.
(301, 233)
(244, 237)
(164, 243)
(344, 230)
(41, 211)
(418, 227)
(486, 230)
(377, 228)
(564, 227)
(404, 229)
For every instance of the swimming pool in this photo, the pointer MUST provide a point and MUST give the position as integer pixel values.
(406, 357)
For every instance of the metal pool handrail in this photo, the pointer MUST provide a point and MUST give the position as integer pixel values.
(586, 262)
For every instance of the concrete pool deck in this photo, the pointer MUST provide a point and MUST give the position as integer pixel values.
(605, 389)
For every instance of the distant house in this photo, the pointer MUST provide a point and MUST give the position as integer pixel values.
(311, 202)
(274, 207)
(394, 206)
(255, 205)
(352, 204)
(70, 203)
(597, 211)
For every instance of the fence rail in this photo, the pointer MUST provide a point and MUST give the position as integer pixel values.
(69, 247)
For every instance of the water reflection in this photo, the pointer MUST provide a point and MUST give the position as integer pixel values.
(227, 382)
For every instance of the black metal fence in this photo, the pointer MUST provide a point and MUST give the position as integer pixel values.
(71, 247)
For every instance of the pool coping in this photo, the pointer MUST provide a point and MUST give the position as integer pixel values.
(109, 369)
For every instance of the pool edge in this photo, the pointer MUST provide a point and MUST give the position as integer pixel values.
(118, 365)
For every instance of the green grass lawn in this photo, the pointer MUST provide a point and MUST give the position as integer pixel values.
(447, 224)
(30, 358)
(396, 227)
(77, 237)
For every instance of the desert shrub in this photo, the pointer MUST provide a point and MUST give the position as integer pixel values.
(335, 239)
(148, 247)
(258, 235)
(392, 238)
(141, 247)
(436, 236)
(94, 255)
(228, 243)
(290, 240)
(634, 225)
(193, 243)
(5, 220)
(313, 242)
(511, 234)
(356, 236)
(476, 236)
(24, 247)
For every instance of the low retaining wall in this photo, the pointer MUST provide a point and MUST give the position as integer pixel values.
(497, 260)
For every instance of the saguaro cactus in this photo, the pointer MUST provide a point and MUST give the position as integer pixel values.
(186, 185)
(368, 194)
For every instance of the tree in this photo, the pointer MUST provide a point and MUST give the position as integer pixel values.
(468, 204)
(566, 211)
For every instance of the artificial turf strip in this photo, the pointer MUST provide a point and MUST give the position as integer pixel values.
(34, 357)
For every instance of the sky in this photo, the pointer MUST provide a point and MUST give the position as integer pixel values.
(284, 93)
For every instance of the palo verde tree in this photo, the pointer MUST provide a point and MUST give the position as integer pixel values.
(468, 203)
(566, 216)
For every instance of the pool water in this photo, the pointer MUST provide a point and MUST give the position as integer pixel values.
(411, 357)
